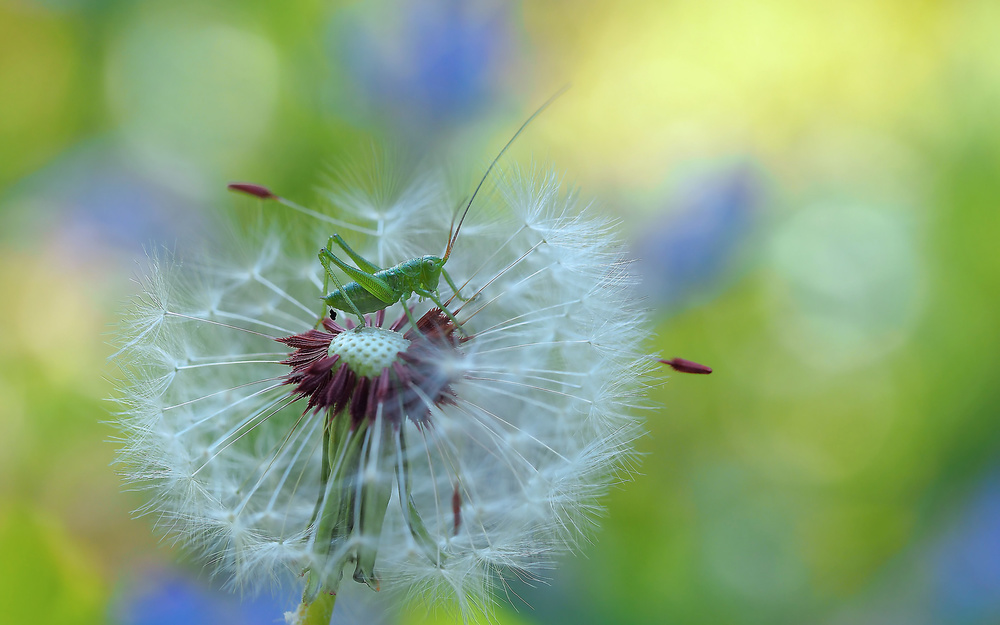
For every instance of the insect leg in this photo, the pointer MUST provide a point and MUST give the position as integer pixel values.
(326, 289)
(324, 259)
(413, 322)
(363, 263)
(437, 302)
(451, 283)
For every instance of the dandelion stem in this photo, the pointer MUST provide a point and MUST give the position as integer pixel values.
(342, 447)
(318, 612)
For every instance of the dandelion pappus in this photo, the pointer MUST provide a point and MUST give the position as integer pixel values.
(375, 288)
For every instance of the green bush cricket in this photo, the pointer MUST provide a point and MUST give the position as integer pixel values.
(373, 288)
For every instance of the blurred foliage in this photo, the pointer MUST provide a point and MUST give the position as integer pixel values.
(813, 185)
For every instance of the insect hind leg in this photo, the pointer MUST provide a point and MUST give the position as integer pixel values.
(363, 263)
(324, 258)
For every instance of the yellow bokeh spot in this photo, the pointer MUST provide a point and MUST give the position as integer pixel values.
(663, 83)
(38, 68)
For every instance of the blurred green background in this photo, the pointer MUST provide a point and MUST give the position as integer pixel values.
(812, 189)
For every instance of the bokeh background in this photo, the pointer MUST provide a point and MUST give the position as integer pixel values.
(811, 188)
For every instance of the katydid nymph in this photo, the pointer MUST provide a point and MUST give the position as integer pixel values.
(374, 288)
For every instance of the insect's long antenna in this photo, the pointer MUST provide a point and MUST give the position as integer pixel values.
(453, 233)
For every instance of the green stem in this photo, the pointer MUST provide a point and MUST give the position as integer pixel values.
(319, 612)
(330, 520)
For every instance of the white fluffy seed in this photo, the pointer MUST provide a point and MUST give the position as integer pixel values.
(541, 423)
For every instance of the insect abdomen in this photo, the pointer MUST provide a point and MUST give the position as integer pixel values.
(365, 301)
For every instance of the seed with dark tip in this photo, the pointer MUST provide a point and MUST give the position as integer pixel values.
(255, 190)
(686, 366)
(456, 508)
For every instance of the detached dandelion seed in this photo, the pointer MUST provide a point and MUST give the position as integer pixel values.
(426, 452)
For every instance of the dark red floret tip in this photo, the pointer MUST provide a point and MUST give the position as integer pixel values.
(255, 190)
(687, 366)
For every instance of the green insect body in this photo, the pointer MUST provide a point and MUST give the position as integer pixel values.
(373, 288)
(417, 275)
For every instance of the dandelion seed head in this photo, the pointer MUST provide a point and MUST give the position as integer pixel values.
(428, 460)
